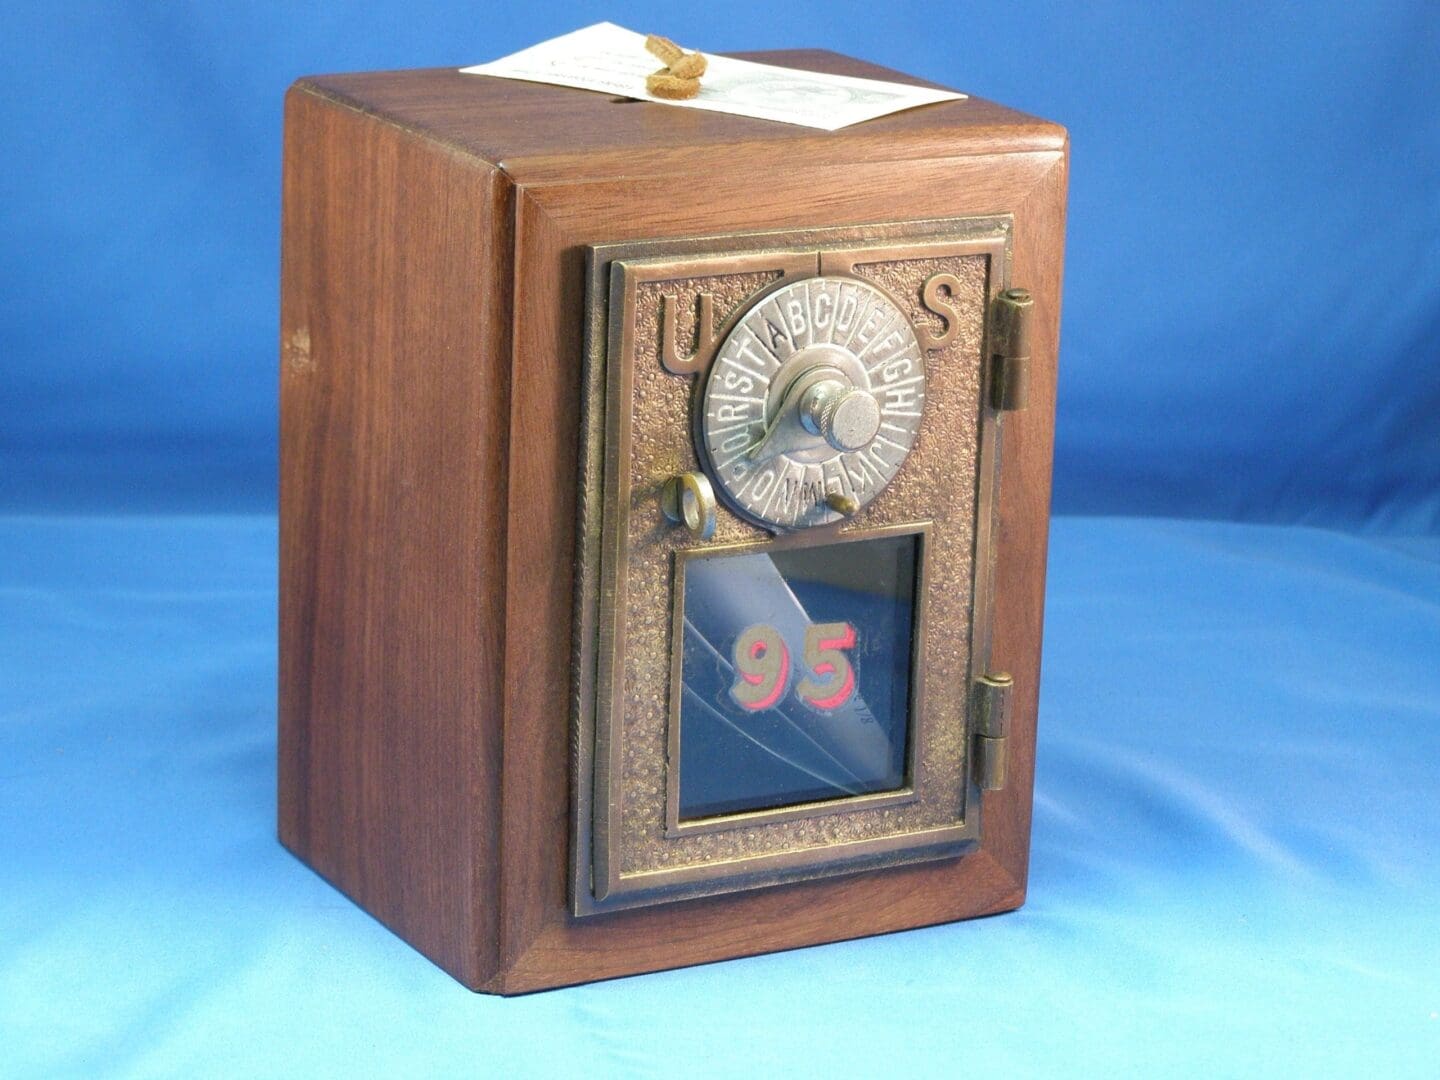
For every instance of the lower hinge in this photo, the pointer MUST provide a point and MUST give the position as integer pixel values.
(1010, 351)
(992, 725)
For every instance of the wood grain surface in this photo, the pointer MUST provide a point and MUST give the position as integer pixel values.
(539, 133)
(431, 338)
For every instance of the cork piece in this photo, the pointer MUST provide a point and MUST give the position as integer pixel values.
(679, 79)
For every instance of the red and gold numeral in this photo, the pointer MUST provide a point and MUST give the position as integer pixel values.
(823, 656)
(763, 663)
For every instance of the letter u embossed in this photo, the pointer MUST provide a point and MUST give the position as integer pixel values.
(704, 337)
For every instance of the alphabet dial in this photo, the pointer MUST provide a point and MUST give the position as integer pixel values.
(813, 402)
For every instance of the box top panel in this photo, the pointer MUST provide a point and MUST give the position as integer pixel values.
(539, 133)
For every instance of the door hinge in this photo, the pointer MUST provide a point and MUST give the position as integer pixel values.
(1010, 353)
(992, 724)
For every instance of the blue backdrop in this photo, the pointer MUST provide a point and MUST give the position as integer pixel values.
(1234, 868)
(1252, 296)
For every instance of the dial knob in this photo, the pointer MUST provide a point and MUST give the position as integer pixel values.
(846, 418)
(813, 402)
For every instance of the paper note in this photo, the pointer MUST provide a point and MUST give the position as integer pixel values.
(614, 60)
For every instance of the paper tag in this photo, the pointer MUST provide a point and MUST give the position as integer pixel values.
(614, 60)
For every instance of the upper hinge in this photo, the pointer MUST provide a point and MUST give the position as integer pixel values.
(1010, 353)
(992, 724)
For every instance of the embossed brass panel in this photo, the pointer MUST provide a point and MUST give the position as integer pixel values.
(659, 314)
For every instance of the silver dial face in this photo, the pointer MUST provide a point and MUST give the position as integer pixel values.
(813, 402)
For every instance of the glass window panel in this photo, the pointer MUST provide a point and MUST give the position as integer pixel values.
(796, 675)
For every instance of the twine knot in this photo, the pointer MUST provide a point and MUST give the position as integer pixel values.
(679, 79)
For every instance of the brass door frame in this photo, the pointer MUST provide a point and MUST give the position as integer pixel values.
(674, 826)
(613, 273)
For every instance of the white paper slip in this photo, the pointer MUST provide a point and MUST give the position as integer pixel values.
(614, 60)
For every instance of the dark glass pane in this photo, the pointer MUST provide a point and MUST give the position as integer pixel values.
(796, 675)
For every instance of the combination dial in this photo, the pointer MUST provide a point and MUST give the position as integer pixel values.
(813, 402)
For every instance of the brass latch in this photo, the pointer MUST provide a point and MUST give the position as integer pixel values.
(1010, 354)
(992, 722)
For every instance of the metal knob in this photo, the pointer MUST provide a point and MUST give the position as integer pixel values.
(846, 417)
(689, 500)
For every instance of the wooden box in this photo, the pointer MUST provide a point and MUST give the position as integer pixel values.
(499, 302)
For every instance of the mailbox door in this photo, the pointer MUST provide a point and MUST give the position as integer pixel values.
(791, 446)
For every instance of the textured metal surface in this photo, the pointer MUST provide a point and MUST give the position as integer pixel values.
(627, 579)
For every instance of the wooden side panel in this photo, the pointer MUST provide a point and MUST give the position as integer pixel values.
(545, 946)
(394, 415)
(1024, 526)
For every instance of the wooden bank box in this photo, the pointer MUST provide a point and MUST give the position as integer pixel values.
(663, 512)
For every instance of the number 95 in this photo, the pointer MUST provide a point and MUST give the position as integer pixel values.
(762, 667)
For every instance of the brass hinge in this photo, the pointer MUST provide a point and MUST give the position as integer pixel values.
(1010, 353)
(992, 723)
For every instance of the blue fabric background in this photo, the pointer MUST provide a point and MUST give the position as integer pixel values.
(1252, 293)
(1235, 866)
